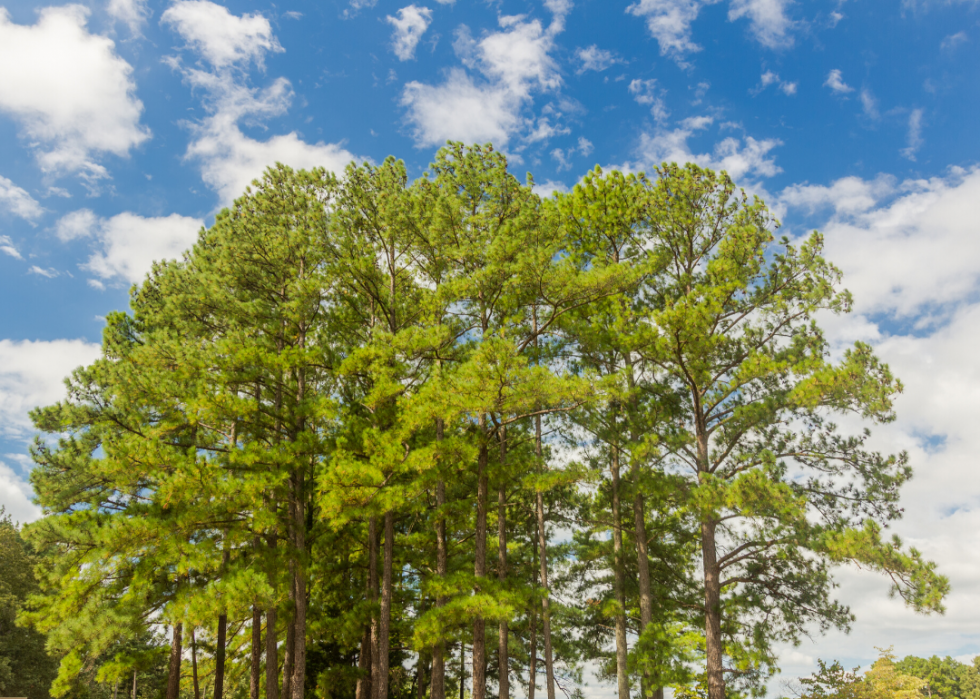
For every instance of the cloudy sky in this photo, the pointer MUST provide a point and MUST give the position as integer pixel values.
(125, 125)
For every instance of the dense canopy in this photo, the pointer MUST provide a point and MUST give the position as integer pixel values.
(375, 438)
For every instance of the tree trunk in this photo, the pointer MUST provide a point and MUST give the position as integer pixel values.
(299, 583)
(421, 675)
(543, 554)
(380, 680)
(462, 669)
(712, 612)
(532, 670)
(480, 566)
(363, 690)
(503, 664)
(622, 676)
(115, 689)
(134, 683)
(256, 665)
(219, 656)
(375, 619)
(197, 686)
(287, 660)
(173, 678)
(438, 690)
(271, 655)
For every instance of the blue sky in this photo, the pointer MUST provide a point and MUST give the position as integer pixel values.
(125, 125)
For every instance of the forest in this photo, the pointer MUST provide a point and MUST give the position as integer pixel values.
(382, 438)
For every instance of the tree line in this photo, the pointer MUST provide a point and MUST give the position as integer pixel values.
(374, 437)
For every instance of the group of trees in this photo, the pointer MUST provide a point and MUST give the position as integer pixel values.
(909, 678)
(374, 437)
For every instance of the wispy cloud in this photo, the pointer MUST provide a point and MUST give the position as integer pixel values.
(835, 82)
(914, 139)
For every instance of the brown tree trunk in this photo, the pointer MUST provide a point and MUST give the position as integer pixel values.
(503, 664)
(173, 677)
(219, 656)
(549, 666)
(712, 612)
(197, 686)
(255, 678)
(271, 655)
(422, 675)
(299, 583)
(438, 689)
(134, 683)
(375, 619)
(363, 690)
(287, 659)
(380, 680)
(622, 676)
(532, 669)
(480, 566)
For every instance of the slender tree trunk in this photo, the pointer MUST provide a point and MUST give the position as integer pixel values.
(503, 679)
(462, 669)
(255, 680)
(375, 618)
(134, 683)
(622, 676)
(115, 689)
(421, 674)
(197, 686)
(219, 657)
(438, 690)
(363, 690)
(532, 670)
(480, 566)
(173, 678)
(712, 612)
(543, 559)
(287, 660)
(381, 661)
(271, 637)
(299, 582)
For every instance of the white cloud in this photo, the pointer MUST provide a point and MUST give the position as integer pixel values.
(17, 201)
(770, 78)
(127, 245)
(740, 158)
(77, 224)
(869, 105)
(914, 140)
(229, 158)
(904, 248)
(788, 88)
(221, 38)
(645, 92)
(835, 82)
(585, 146)
(514, 64)
(7, 247)
(767, 21)
(909, 251)
(73, 96)
(594, 58)
(410, 25)
(49, 273)
(669, 22)
(953, 40)
(32, 375)
(132, 13)
(15, 496)
(356, 6)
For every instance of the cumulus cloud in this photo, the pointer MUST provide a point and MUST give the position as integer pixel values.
(229, 158)
(768, 22)
(221, 38)
(835, 82)
(914, 139)
(72, 95)
(15, 496)
(893, 240)
(410, 25)
(669, 22)
(511, 65)
(645, 92)
(32, 374)
(770, 78)
(7, 247)
(132, 13)
(17, 201)
(916, 302)
(127, 245)
(739, 157)
(594, 58)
